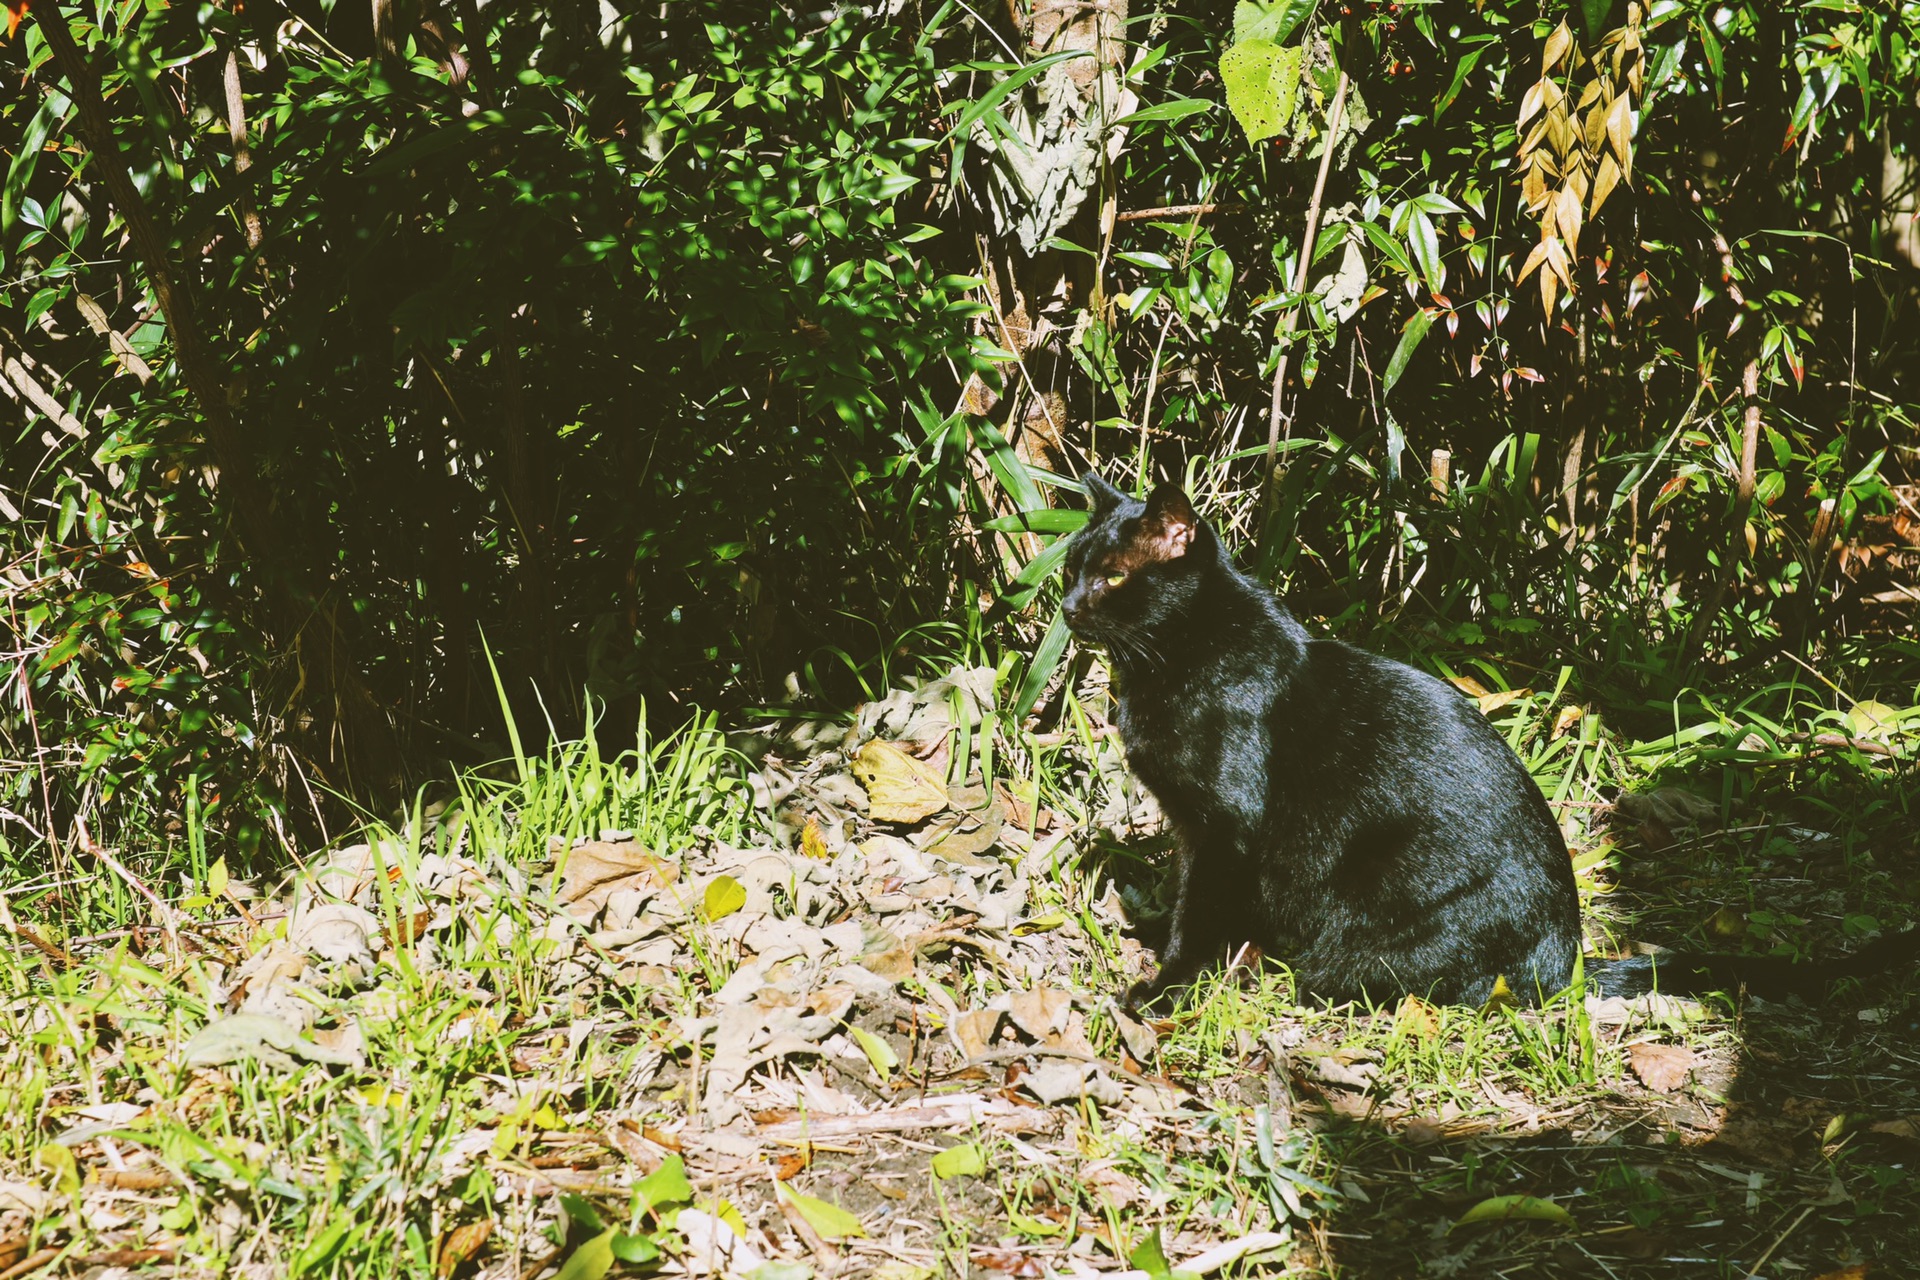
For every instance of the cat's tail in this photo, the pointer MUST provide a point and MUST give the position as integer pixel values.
(1684, 973)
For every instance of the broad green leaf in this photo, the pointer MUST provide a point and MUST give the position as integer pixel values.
(1272, 20)
(217, 878)
(724, 896)
(591, 1260)
(1425, 242)
(1263, 85)
(637, 1250)
(582, 1212)
(1416, 328)
(666, 1185)
(1515, 1209)
(830, 1220)
(964, 1161)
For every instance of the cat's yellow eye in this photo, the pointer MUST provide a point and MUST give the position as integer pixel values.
(1115, 579)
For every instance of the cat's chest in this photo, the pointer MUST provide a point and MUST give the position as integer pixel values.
(1175, 745)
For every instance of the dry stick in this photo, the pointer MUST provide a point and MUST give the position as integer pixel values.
(1178, 211)
(242, 156)
(1334, 117)
(1742, 508)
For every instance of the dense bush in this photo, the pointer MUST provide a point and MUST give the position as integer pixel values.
(665, 358)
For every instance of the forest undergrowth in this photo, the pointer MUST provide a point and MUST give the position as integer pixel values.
(834, 995)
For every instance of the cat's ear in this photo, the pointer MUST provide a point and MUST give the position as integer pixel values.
(1169, 523)
(1103, 496)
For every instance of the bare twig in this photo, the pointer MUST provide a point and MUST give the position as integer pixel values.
(1179, 211)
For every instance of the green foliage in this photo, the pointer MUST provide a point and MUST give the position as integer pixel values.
(670, 355)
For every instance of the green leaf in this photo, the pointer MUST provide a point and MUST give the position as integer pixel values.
(1045, 659)
(979, 107)
(32, 144)
(582, 1213)
(1263, 86)
(885, 1061)
(635, 1249)
(1044, 520)
(829, 1220)
(1515, 1209)
(724, 896)
(1150, 1257)
(591, 1260)
(320, 1248)
(1274, 21)
(1416, 328)
(1426, 249)
(666, 1185)
(1178, 109)
(1151, 261)
(964, 1161)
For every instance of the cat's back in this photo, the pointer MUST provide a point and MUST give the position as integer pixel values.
(1358, 724)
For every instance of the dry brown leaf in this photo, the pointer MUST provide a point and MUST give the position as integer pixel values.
(460, 1245)
(1422, 1132)
(598, 869)
(1907, 1127)
(886, 956)
(975, 1029)
(812, 844)
(1416, 1018)
(1661, 1067)
(1041, 1013)
(899, 788)
(1858, 1271)
(1566, 718)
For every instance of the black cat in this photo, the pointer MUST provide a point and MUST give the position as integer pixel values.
(1333, 805)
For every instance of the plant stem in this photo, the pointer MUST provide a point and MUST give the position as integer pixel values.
(1287, 323)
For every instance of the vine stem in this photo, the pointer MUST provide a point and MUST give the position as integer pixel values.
(1335, 117)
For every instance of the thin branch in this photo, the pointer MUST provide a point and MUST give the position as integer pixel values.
(1335, 116)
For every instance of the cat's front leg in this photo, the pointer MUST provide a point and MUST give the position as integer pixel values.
(1193, 938)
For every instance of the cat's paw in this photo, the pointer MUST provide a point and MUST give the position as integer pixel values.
(1143, 995)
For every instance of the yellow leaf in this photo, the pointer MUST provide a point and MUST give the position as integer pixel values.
(1416, 1019)
(829, 1220)
(58, 1161)
(1492, 702)
(878, 1052)
(899, 788)
(1567, 216)
(1530, 103)
(1567, 718)
(1516, 1209)
(724, 896)
(811, 843)
(1620, 132)
(1534, 259)
(1603, 183)
(1040, 924)
(1467, 684)
(1559, 45)
(217, 878)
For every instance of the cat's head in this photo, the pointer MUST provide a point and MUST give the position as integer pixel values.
(1134, 565)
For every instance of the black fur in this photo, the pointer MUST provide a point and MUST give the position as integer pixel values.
(1330, 805)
